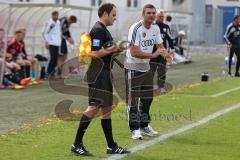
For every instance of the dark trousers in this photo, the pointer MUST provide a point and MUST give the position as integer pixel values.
(139, 96)
(231, 54)
(159, 64)
(237, 52)
(54, 52)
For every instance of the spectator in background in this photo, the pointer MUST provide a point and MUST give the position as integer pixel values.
(168, 20)
(14, 53)
(231, 40)
(178, 43)
(29, 72)
(66, 36)
(52, 38)
(159, 64)
(8, 65)
(11, 68)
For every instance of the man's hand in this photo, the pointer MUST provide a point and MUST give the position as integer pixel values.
(71, 41)
(158, 52)
(9, 56)
(229, 45)
(169, 57)
(46, 45)
(113, 47)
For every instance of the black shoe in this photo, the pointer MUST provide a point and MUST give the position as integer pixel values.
(80, 151)
(237, 75)
(117, 150)
(229, 73)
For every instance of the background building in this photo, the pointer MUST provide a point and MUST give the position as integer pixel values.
(204, 21)
(218, 15)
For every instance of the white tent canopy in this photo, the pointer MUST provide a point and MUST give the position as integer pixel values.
(14, 16)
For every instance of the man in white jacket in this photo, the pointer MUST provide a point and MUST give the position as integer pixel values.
(142, 36)
(52, 38)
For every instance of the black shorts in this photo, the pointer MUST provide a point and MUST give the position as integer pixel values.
(63, 48)
(100, 89)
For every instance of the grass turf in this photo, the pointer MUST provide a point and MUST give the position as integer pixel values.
(26, 107)
(218, 140)
(171, 111)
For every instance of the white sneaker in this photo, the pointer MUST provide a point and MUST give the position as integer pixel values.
(136, 134)
(149, 131)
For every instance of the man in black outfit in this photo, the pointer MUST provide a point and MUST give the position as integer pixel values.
(160, 62)
(100, 84)
(233, 37)
(236, 21)
(65, 23)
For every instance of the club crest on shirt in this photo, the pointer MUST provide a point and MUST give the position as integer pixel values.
(144, 34)
(96, 43)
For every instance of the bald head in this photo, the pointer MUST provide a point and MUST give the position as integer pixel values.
(160, 16)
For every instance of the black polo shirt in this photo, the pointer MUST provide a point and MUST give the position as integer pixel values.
(100, 36)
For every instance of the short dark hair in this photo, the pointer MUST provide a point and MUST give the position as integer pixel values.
(169, 18)
(236, 17)
(73, 19)
(105, 7)
(55, 13)
(18, 31)
(148, 6)
(2, 30)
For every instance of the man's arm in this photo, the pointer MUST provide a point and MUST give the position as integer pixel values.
(161, 48)
(136, 52)
(167, 55)
(98, 41)
(169, 38)
(227, 35)
(45, 33)
(102, 52)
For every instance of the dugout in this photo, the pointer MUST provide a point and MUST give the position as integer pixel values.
(33, 17)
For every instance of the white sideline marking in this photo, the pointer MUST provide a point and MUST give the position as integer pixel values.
(225, 92)
(176, 132)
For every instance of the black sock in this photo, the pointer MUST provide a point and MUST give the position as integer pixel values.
(237, 66)
(229, 68)
(28, 71)
(42, 73)
(107, 129)
(84, 122)
(22, 71)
